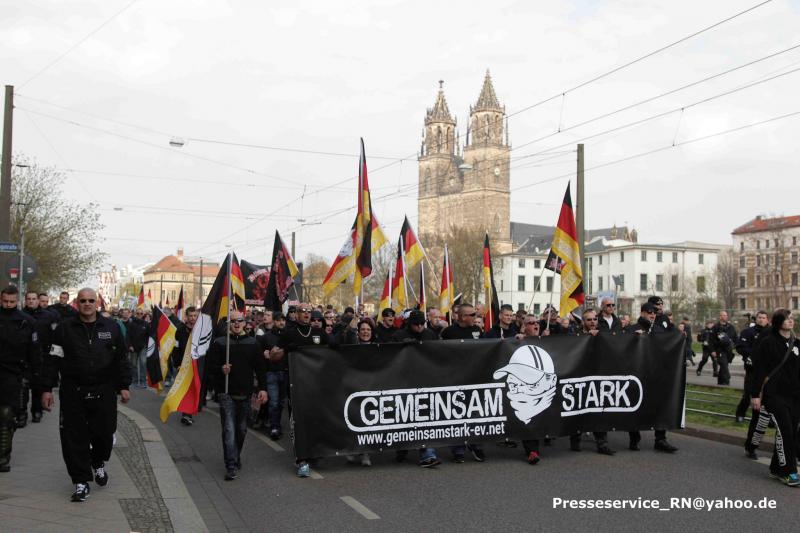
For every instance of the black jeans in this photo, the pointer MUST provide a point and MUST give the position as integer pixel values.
(233, 416)
(87, 422)
(724, 375)
(786, 415)
(706, 356)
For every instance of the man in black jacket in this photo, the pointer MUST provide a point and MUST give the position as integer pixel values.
(414, 329)
(63, 308)
(723, 337)
(745, 344)
(776, 390)
(505, 328)
(608, 322)
(19, 354)
(704, 338)
(89, 353)
(46, 321)
(385, 330)
(661, 322)
(645, 326)
(465, 327)
(232, 369)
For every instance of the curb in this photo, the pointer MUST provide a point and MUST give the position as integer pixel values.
(183, 512)
(721, 435)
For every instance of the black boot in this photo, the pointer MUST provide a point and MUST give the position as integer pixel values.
(7, 424)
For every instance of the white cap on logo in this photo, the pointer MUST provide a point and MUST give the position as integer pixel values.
(528, 363)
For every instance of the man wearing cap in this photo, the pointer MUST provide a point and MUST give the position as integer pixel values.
(645, 326)
(549, 323)
(385, 330)
(662, 322)
(414, 329)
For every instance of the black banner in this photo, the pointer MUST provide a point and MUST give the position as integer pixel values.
(398, 396)
(256, 278)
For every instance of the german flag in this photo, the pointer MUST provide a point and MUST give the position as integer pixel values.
(363, 243)
(217, 301)
(421, 303)
(492, 303)
(150, 297)
(411, 247)
(565, 258)
(386, 299)
(184, 395)
(159, 346)
(399, 281)
(446, 293)
(281, 275)
(140, 300)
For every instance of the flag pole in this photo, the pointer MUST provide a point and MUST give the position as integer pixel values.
(228, 333)
(421, 298)
(391, 279)
(536, 288)
(550, 312)
(405, 272)
(450, 291)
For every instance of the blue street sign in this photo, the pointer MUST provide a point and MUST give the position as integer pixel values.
(9, 247)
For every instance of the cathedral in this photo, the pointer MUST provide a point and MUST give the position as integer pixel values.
(466, 185)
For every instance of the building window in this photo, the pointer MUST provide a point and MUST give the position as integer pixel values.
(643, 282)
(549, 283)
(537, 263)
(659, 257)
(758, 245)
(600, 260)
(776, 243)
(794, 279)
(766, 243)
(521, 262)
(742, 282)
(674, 257)
(622, 257)
(520, 283)
(794, 241)
(701, 284)
(794, 302)
(700, 259)
(777, 280)
(536, 280)
(794, 257)
(766, 260)
(660, 282)
(741, 246)
(536, 308)
(758, 260)
(644, 255)
(520, 306)
(621, 282)
(758, 281)
(501, 286)
(742, 303)
(768, 303)
(674, 283)
(600, 283)
(741, 261)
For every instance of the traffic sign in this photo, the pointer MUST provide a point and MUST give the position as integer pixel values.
(12, 268)
(9, 247)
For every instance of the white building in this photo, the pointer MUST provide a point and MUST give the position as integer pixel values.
(616, 265)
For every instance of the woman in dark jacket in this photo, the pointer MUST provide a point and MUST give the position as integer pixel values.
(363, 334)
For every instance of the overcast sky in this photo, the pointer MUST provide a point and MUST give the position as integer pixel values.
(317, 75)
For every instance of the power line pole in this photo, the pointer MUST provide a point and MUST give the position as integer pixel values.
(5, 167)
(579, 220)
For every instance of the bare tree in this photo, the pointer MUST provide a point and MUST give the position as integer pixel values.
(61, 236)
(465, 249)
(727, 278)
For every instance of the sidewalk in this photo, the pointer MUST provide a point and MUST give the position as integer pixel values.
(145, 491)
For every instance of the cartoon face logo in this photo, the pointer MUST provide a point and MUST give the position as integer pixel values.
(316, 339)
(531, 381)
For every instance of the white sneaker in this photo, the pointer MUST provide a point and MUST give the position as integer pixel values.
(365, 460)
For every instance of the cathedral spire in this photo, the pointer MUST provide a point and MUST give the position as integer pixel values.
(439, 112)
(487, 100)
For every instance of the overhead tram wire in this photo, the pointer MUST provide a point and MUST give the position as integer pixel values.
(77, 44)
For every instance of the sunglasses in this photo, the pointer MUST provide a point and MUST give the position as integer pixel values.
(470, 314)
(316, 320)
(86, 300)
(611, 305)
(238, 320)
(532, 324)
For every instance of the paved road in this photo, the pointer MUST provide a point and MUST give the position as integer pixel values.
(505, 493)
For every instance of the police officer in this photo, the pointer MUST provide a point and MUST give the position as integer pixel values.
(90, 355)
(745, 345)
(662, 322)
(704, 338)
(46, 321)
(646, 326)
(19, 354)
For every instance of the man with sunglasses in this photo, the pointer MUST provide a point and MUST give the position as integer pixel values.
(89, 354)
(233, 362)
(303, 334)
(385, 330)
(645, 326)
(608, 321)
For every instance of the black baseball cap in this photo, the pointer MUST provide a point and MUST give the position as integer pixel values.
(655, 300)
(387, 312)
(647, 307)
(416, 317)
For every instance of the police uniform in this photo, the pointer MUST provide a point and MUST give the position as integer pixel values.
(45, 321)
(91, 359)
(19, 355)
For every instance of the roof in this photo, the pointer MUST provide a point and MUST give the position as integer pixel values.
(487, 99)
(767, 224)
(520, 233)
(439, 112)
(209, 270)
(169, 263)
